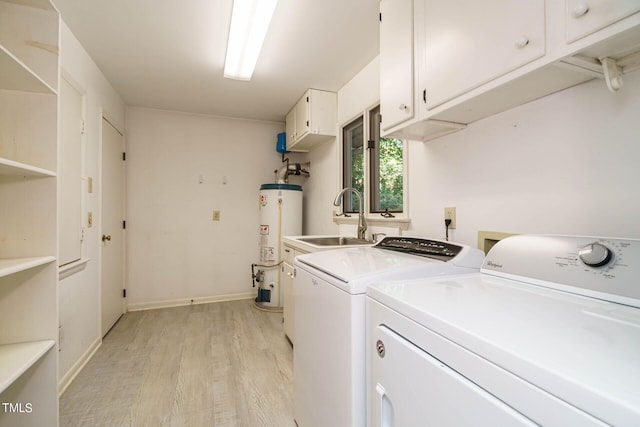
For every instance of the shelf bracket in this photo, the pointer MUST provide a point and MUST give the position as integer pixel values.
(612, 74)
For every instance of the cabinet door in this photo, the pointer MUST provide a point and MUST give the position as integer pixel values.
(584, 17)
(396, 62)
(467, 44)
(290, 128)
(288, 309)
(302, 117)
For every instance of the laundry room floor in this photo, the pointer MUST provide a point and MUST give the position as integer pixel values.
(219, 364)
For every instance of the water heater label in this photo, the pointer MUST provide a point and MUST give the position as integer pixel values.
(263, 200)
(267, 254)
(264, 230)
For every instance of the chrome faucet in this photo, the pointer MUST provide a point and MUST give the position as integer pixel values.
(362, 223)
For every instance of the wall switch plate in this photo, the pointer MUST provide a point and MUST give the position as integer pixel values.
(450, 213)
(90, 219)
(216, 216)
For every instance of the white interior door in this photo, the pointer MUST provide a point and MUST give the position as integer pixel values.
(112, 273)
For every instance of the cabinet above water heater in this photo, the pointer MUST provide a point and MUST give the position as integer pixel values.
(313, 120)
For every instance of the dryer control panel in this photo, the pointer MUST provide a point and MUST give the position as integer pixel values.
(601, 267)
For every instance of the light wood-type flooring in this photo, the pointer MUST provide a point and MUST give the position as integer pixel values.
(219, 364)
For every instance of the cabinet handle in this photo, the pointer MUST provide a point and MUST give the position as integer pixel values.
(580, 10)
(522, 42)
(403, 107)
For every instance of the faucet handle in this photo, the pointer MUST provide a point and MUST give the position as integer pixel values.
(375, 236)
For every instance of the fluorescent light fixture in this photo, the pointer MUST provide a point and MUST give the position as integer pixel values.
(249, 24)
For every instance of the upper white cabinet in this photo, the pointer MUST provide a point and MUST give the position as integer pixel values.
(480, 58)
(312, 120)
(584, 17)
(399, 70)
(396, 62)
(468, 45)
(29, 70)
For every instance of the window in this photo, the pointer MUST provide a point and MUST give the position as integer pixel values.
(386, 166)
(378, 172)
(353, 162)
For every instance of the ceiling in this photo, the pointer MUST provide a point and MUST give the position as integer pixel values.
(169, 54)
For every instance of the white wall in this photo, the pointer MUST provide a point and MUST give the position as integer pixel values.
(567, 163)
(175, 252)
(79, 294)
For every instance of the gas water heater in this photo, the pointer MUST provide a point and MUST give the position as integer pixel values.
(280, 215)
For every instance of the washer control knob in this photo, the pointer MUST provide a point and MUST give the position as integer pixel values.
(595, 255)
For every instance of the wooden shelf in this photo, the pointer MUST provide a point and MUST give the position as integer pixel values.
(14, 75)
(15, 359)
(9, 167)
(15, 265)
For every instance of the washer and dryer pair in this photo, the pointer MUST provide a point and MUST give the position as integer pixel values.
(547, 332)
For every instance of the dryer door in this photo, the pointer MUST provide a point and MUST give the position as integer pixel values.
(412, 388)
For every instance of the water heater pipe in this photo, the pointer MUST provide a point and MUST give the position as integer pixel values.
(282, 174)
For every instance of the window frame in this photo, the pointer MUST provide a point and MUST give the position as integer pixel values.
(398, 216)
(347, 159)
(374, 164)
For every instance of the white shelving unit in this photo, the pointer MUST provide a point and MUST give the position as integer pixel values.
(29, 78)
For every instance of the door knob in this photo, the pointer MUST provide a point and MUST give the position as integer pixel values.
(106, 237)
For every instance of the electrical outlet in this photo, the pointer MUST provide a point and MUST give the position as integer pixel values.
(216, 216)
(450, 213)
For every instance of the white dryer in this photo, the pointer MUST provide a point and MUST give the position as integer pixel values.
(547, 333)
(329, 296)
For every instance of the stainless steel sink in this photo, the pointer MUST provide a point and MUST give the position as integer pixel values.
(334, 241)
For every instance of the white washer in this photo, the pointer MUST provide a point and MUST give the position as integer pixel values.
(329, 293)
(547, 333)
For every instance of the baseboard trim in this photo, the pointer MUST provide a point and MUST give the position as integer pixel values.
(77, 367)
(189, 301)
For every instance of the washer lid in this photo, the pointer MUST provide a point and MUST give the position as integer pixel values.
(352, 264)
(585, 351)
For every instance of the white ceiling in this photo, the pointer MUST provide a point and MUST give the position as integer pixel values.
(169, 54)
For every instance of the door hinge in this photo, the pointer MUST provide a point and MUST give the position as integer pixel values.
(307, 99)
(82, 124)
(424, 95)
(371, 144)
(380, 16)
(307, 123)
(124, 293)
(124, 225)
(124, 156)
